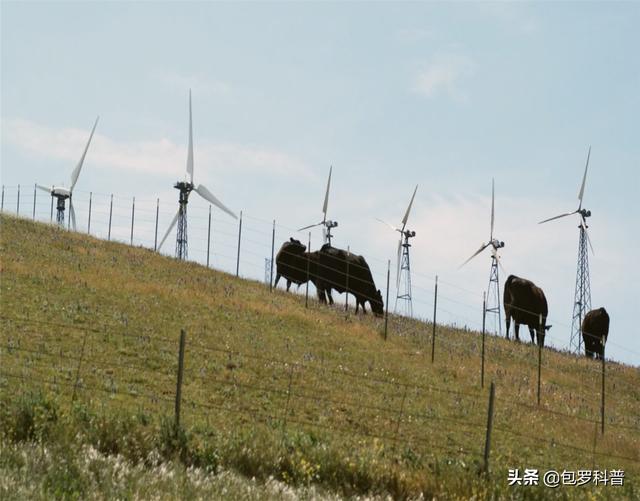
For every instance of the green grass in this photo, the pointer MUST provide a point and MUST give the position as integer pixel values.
(312, 398)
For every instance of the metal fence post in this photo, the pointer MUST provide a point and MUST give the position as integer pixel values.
(541, 327)
(346, 292)
(209, 236)
(155, 238)
(18, 203)
(51, 218)
(433, 334)
(239, 239)
(180, 375)
(273, 241)
(602, 400)
(133, 212)
(89, 220)
(69, 213)
(2, 203)
(110, 217)
(484, 315)
(34, 201)
(306, 292)
(487, 442)
(386, 304)
(75, 386)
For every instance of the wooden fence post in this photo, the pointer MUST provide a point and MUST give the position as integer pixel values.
(51, 218)
(180, 374)
(18, 203)
(2, 203)
(484, 315)
(433, 334)
(35, 194)
(487, 442)
(386, 304)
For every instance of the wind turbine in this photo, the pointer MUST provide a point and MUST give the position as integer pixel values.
(582, 295)
(327, 225)
(186, 187)
(60, 193)
(403, 271)
(493, 290)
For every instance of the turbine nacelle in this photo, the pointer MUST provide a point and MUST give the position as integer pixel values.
(59, 191)
(497, 244)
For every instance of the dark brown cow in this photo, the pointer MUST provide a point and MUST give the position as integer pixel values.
(347, 272)
(292, 262)
(526, 304)
(595, 330)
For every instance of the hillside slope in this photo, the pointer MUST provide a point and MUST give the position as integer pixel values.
(311, 395)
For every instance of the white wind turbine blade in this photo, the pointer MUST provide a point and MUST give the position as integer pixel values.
(311, 226)
(389, 225)
(173, 223)
(492, 206)
(44, 188)
(207, 195)
(190, 149)
(558, 217)
(72, 214)
(584, 227)
(406, 214)
(326, 196)
(76, 172)
(584, 179)
(483, 247)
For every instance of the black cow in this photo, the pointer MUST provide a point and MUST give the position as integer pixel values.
(291, 263)
(525, 303)
(347, 272)
(595, 329)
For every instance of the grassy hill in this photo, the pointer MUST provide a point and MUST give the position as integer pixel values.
(278, 399)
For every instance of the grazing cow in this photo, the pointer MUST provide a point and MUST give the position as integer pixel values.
(291, 263)
(595, 329)
(347, 272)
(525, 303)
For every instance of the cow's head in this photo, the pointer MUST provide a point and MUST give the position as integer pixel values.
(377, 306)
(294, 246)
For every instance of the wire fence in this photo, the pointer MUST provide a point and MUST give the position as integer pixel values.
(220, 384)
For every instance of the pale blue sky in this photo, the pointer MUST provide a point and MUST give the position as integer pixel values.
(446, 95)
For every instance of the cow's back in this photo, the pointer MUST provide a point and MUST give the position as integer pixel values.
(524, 300)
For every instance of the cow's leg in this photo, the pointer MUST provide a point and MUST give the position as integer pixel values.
(277, 278)
(508, 320)
(516, 328)
(532, 334)
(329, 295)
(321, 296)
(364, 309)
(288, 285)
(357, 306)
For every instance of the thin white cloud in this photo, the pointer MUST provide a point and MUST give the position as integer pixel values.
(443, 76)
(157, 155)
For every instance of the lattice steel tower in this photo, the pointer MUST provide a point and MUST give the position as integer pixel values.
(582, 295)
(404, 276)
(186, 187)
